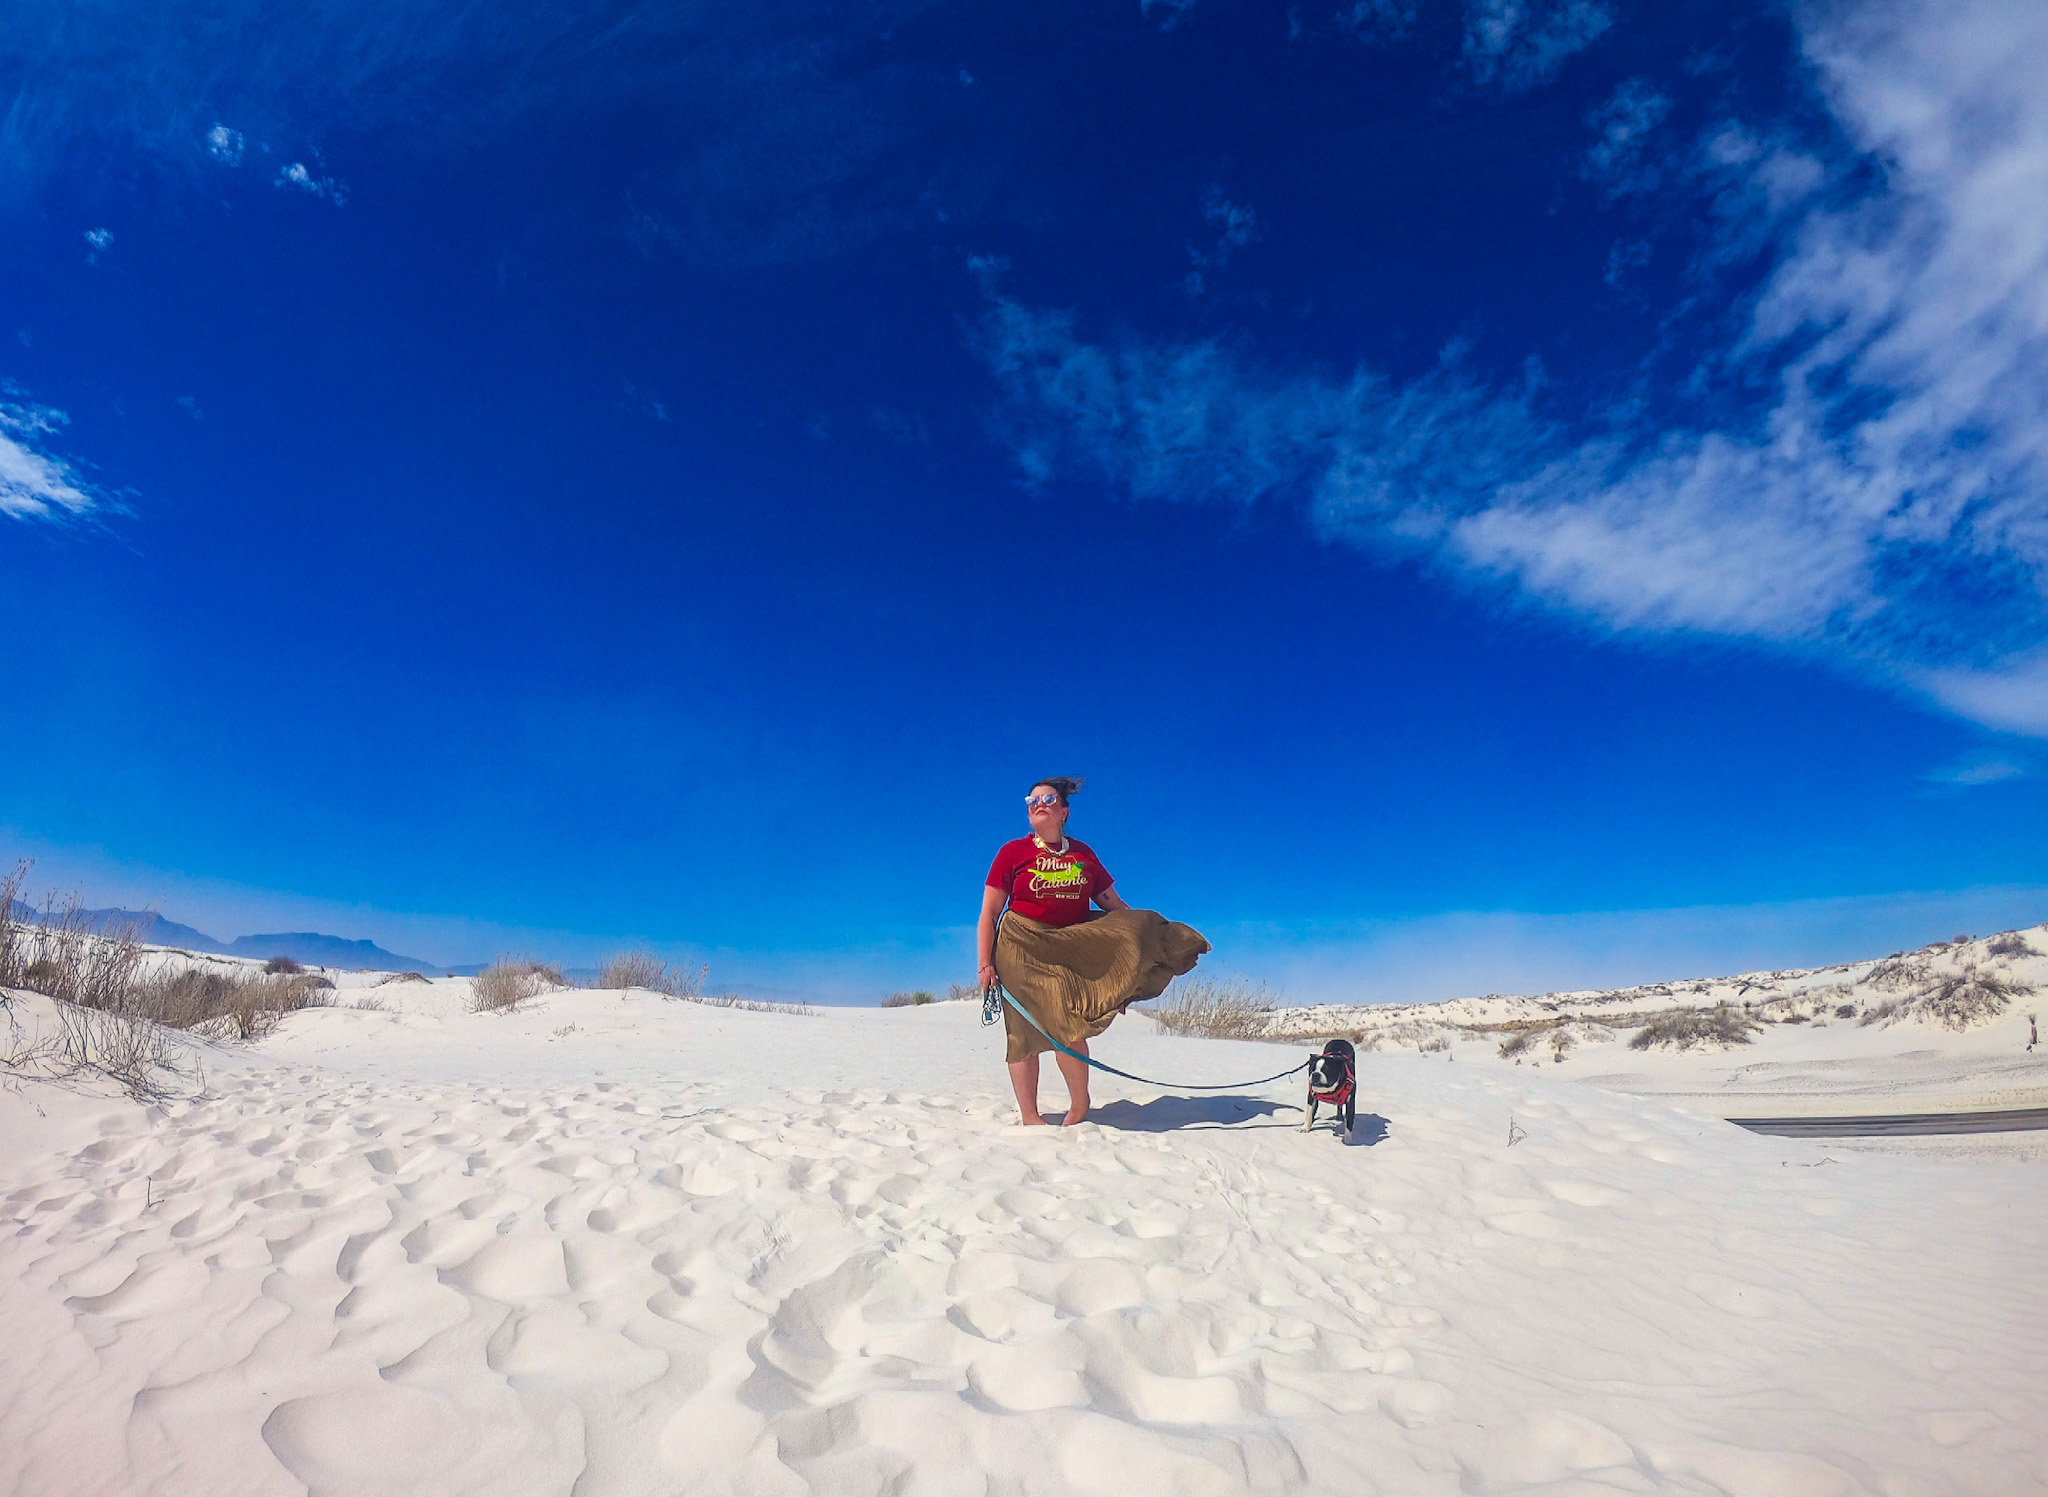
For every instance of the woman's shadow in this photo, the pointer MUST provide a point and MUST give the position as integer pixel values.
(1198, 1114)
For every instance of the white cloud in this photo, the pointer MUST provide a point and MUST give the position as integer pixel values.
(1978, 769)
(1521, 43)
(297, 175)
(35, 484)
(225, 145)
(1887, 509)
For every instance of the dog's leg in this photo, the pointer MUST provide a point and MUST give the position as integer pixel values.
(1311, 1109)
(1350, 1112)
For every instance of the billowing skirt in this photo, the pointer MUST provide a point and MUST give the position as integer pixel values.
(1076, 978)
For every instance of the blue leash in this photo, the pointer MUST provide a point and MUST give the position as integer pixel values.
(996, 995)
(993, 1000)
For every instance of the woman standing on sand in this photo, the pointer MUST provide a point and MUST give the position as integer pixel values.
(1074, 969)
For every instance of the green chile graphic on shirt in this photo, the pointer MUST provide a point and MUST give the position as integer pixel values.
(1050, 873)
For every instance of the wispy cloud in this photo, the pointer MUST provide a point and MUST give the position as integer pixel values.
(1979, 769)
(35, 483)
(1886, 507)
(1518, 44)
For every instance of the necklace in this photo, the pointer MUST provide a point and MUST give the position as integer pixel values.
(1055, 851)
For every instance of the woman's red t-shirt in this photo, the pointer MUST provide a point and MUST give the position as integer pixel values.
(1053, 888)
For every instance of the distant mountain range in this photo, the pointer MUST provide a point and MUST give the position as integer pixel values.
(310, 947)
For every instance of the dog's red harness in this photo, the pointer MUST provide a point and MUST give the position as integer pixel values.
(1340, 1091)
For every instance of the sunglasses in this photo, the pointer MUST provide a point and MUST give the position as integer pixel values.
(1048, 799)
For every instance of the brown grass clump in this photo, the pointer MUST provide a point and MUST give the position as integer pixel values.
(1230, 1009)
(249, 1004)
(510, 981)
(917, 999)
(402, 977)
(1684, 1028)
(282, 966)
(1519, 1044)
(643, 969)
(2012, 943)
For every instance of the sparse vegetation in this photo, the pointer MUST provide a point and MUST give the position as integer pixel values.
(1230, 1009)
(2012, 943)
(1685, 1028)
(282, 966)
(960, 992)
(917, 999)
(401, 977)
(1956, 999)
(510, 981)
(1518, 1044)
(643, 969)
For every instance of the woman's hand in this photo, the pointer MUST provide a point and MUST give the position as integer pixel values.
(987, 976)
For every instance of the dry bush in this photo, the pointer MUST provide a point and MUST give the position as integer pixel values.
(1561, 1042)
(248, 1004)
(1228, 1009)
(960, 992)
(2012, 943)
(643, 969)
(752, 1005)
(917, 999)
(1435, 1044)
(129, 1052)
(1683, 1028)
(1955, 999)
(13, 932)
(282, 966)
(1518, 1044)
(509, 982)
(401, 977)
(1899, 970)
(61, 957)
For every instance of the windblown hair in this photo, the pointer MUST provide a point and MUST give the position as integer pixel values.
(1061, 785)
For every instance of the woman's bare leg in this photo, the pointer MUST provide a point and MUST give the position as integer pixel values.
(1024, 1079)
(1075, 1074)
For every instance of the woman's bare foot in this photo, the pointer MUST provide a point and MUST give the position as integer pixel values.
(1076, 1113)
(1033, 1120)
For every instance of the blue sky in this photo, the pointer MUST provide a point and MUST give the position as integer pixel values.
(1493, 495)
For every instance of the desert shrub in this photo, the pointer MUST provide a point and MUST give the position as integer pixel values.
(60, 956)
(1518, 1044)
(1845, 1010)
(1229, 1009)
(1562, 1040)
(282, 966)
(1954, 999)
(751, 1005)
(248, 1004)
(1434, 1045)
(401, 977)
(917, 999)
(1900, 970)
(961, 992)
(509, 982)
(643, 969)
(2012, 943)
(1683, 1028)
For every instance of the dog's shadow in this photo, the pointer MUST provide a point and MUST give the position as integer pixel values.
(1173, 1114)
(1367, 1129)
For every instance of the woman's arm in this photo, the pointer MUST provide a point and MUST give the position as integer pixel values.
(985, 937)
(1109, 899)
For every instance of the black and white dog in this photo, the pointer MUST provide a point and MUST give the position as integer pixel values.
(1333, 1078)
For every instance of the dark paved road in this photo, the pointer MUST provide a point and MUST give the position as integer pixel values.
(2017, 1121)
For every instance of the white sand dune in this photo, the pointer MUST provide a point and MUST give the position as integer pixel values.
(612, 1244)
